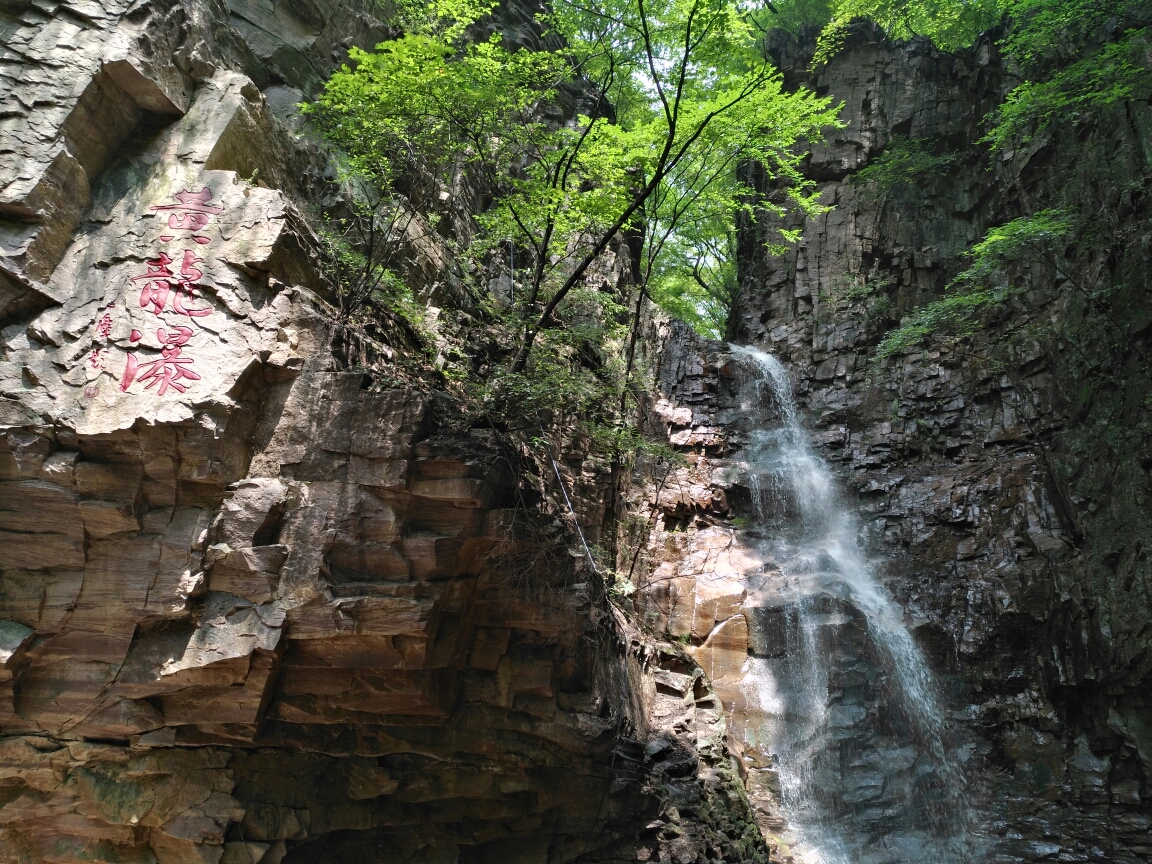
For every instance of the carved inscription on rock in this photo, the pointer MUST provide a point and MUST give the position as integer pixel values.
(161, 352)
(164, 289)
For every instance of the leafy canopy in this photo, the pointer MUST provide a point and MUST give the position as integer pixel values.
(793, 15)
(664, 98)
(1070, 60)
(1109, 75)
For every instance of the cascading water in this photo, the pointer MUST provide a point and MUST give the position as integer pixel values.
(839, 700)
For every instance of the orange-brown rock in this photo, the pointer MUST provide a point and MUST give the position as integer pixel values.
(254, 608)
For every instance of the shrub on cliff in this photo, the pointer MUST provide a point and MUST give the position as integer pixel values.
(1072, 58)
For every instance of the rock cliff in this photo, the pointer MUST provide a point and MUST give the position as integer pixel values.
(256, 607)
(1003, 491)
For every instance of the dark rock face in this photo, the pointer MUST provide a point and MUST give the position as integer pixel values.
(254, 609)
(1006, 488)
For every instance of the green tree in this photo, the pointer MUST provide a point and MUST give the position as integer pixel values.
(1071, 60)
(1053, 238)
(903, 163)
(792, 15)
(1002, 268)
(676, 92)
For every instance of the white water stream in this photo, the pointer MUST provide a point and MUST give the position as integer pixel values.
(840, 702)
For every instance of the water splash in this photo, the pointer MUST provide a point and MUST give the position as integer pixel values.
(839, 699)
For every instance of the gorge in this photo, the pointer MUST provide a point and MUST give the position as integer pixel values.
(271, 592)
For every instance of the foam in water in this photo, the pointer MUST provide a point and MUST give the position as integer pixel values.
(840, 700)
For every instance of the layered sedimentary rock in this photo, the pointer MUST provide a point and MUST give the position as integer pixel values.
(1002, 491)
(254, 607)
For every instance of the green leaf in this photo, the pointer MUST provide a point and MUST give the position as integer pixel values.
(978, 288)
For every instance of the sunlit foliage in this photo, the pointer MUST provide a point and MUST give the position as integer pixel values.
(672, 95)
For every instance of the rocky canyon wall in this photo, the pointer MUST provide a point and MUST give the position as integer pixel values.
(254, 607)
(1002, 492)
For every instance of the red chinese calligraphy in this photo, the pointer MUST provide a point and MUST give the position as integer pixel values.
(193, 212)
(187, 291)
(156, 267)
(104, 326)
(96, 358)
(159, 284)
(171, 367)
(92, 390)
(130, 367)
(165, 288)
(188, 273)
(189, 277)
(199, 239)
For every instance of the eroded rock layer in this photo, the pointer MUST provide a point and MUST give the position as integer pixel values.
(253, 607)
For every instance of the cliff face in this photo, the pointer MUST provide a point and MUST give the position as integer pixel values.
(256, 608)
(1001, 481)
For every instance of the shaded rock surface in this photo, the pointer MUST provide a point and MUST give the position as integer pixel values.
(1003, 493)
(253, 608)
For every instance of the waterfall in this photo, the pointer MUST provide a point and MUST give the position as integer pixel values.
(839, 701)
